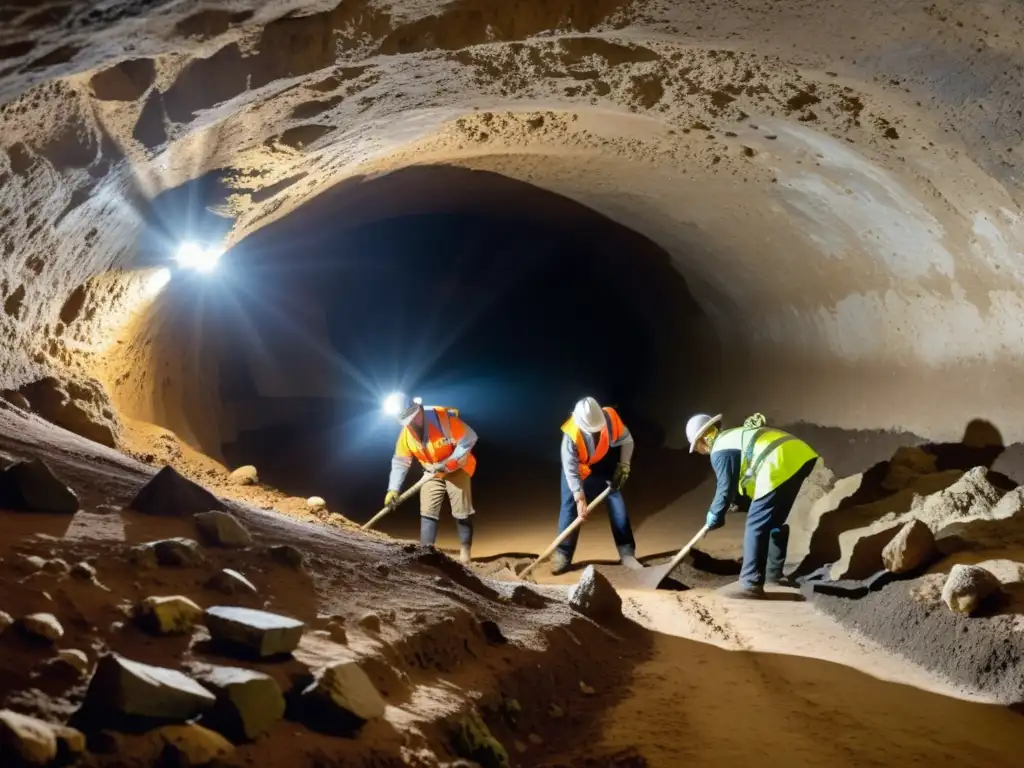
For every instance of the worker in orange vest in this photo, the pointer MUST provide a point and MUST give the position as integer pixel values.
(588, 436)
(442, 443)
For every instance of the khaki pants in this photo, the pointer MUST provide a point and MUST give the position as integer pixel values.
(456, 486)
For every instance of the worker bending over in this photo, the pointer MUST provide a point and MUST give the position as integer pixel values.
(588, 436)
(443, 444)
(764, 466)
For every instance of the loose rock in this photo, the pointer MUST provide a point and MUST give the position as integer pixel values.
(370, 622)
(43, 626)
(171, 552)
(221, 529)
(286, 554)
(246, 475)
(231, 583)
(912, 548)
(123, 692)
(316, 505)
(83, 571)
(169, 494)
(31, 486)
(248, 702)
(174, 615)
(265, 634)
(192, 745)
(57, 567)
(595, 597)
(6, 620)
(342, 699)
(34, 741)
(73, 658)
(29, 563)
(967, 587)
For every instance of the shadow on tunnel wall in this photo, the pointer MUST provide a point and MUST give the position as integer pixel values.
(981, 446)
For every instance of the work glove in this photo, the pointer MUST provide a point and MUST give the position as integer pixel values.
(391, 499)
(620, 476)
(713, 522)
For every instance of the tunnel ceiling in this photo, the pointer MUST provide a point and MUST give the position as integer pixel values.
(840, 185)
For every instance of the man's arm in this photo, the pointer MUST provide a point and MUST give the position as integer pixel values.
(571, 465)
(466, 438)
(625, 446)
(400, 464)
(727, 469)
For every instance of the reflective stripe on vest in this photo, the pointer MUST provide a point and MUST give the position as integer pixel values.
(763, 468)
(755, 465)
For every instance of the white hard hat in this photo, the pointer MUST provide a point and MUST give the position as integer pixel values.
(698, 426)
(402, 407)
(588, 415)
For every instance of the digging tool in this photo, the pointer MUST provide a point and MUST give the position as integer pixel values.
(391, 507)
(650, 578)
(566, 533)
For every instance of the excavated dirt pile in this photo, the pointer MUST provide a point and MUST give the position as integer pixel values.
(933, 569)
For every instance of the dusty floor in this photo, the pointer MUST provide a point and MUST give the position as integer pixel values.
(693, 678)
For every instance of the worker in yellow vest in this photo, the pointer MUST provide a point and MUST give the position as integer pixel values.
(587, 437)
(764, 466)
(442, 443)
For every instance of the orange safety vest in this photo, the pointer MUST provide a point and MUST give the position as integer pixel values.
(612, 431)
(442, 430)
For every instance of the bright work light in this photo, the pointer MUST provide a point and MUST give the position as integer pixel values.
(201, 258)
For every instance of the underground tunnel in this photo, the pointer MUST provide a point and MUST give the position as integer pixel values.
(812, 213)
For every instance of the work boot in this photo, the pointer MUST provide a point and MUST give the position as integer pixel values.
(747, 593)
(464, 555)
(630, 562)
(560, 564)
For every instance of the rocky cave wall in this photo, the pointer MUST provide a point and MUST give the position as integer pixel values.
(840, 186)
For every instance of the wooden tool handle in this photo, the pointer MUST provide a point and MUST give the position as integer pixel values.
(566, 533)
(405, 495)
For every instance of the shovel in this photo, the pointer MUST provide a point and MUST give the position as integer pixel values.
(391, 507)
(650, 578)
(566, 533)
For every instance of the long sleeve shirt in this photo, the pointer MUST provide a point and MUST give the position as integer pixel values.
(727, 472)
(402, 459)
(571, 458)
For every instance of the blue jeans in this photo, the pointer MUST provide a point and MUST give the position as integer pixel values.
(617, 516)
(767, 535)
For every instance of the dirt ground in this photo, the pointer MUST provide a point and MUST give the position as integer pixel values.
(688, 677)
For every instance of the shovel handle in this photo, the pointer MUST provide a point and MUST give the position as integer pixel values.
(686, 550)
(405, 495)
(566, 533)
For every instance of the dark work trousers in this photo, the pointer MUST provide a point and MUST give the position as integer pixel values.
(767, 536)
(622, 532)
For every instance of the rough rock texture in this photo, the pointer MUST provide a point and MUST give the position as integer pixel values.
(34, 741)
(174, 615)
(595, 597)
(124, 692)
(907, 465)
(912, 548)
(264, 634)
(81, 407)
(248, 702)
(42, 626)
(32, 486)
(342, 699)
(971, 497)
(221, 529)
(173, 552)
(170, 494)
(967, 587)
(192, 744)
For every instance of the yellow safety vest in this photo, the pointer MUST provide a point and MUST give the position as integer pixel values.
(768, 457)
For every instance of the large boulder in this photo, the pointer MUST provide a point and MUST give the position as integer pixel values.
(341, 699)
(912, 548)
(248, 702)
(168, 494)
(29, 741)
(127, 693)
(595, 597)
(81, 407)
(257, 632)
(31, 486)
(221, 530)
(967, 587)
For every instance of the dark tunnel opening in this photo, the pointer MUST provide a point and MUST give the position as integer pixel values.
(509, 305)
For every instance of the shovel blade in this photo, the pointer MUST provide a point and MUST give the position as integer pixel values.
(648, 578)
